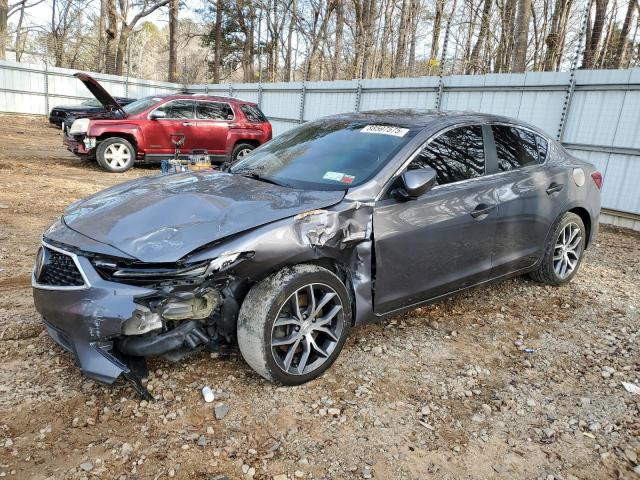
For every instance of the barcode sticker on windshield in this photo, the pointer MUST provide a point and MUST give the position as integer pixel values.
(339, 177)
(385, 130)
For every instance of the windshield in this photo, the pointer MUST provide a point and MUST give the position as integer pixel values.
(141, 105)
(331, 154)
(92, 102)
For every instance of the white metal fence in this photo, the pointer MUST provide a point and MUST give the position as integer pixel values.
(595, 113)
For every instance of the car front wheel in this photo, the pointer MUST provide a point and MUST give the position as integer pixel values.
(563, 252)
(293, 324)
(115, 154)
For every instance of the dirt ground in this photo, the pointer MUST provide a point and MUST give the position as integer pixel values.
(447, 391)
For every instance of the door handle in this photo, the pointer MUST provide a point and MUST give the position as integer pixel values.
(482, 209)
(554, 188)
(187, 124)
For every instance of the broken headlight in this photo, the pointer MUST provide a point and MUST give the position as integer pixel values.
(151, 273)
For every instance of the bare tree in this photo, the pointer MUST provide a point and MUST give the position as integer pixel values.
(519, 59)
(174, 5)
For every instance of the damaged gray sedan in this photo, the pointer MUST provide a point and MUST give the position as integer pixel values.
(340, 221)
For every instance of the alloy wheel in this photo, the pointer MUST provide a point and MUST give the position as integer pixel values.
(243, 153)
(567, 250)
(307, 329)
(117, 155)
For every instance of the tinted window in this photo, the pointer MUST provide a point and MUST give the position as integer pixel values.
(141, 105)
(253, 113)
(455, 155)
(543, 146)
(214, 111)
(178, 109)
(516, 148)
(326, 154)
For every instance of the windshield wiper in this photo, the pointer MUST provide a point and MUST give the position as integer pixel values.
(262, 178)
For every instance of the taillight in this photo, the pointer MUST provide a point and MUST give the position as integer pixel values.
(597, 179)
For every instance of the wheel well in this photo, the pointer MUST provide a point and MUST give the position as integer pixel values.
(255, 143)
(586, 219)
(126, 136)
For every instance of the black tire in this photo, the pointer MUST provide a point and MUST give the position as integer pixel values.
(107, 161)
(546, 272)
(240, 150)
(269, 299)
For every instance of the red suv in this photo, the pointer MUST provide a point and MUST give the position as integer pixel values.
(145, 130)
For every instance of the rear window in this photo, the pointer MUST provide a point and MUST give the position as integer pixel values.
(253, 113)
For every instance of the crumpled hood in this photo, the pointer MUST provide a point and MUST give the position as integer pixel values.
(163, 218)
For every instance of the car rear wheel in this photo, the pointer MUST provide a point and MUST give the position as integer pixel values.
(563, 252)
(115, 154)
(241, 150)
(293, 324)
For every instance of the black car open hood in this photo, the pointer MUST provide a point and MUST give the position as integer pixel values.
(98, 91)
(163, 218)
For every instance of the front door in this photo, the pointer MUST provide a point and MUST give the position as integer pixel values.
(442, 241)
(179, 121)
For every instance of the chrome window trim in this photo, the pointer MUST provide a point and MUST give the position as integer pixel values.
(211, 119)
(451, 127)
(74, 257)
(171, 101)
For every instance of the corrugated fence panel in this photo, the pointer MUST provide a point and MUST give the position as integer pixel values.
(281, 100)
(385, 93)
(329, 98)
(603, 121)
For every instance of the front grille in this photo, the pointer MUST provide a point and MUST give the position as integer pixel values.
(59, 270)
(58, 113)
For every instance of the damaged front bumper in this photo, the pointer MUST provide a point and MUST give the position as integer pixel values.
(110, 327)
(80, 145)
(84, 319)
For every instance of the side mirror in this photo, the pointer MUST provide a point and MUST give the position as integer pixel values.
(417, 182)
(157, 114)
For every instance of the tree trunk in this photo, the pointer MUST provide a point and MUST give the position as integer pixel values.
(437, 26)
(289, 56)
(621, 44)
(398, 64)
(519, 59)
(111, 46)
(337, 54)
(4, 11)
(123, 43)
(173, 40)
(505, 45)
(19, 40)
(474, 65)
(413, 31)
(595, 34)
(102, 36)
(217, 48)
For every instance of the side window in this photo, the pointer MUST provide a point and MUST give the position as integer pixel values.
(516, 148)
(543, 147)
(214, 111)
(178, 109)
(253, 113)
(455, 155)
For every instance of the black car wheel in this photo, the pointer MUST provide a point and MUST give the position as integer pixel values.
(563, 252)
(293, 324)
(241, 150)
(115, 154)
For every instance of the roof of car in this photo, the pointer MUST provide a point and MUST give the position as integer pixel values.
(414, 118)
(204, 96)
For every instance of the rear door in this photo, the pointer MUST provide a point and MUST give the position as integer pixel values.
(213, 122)
(528, 191)
(442, 241)
(179, 120)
